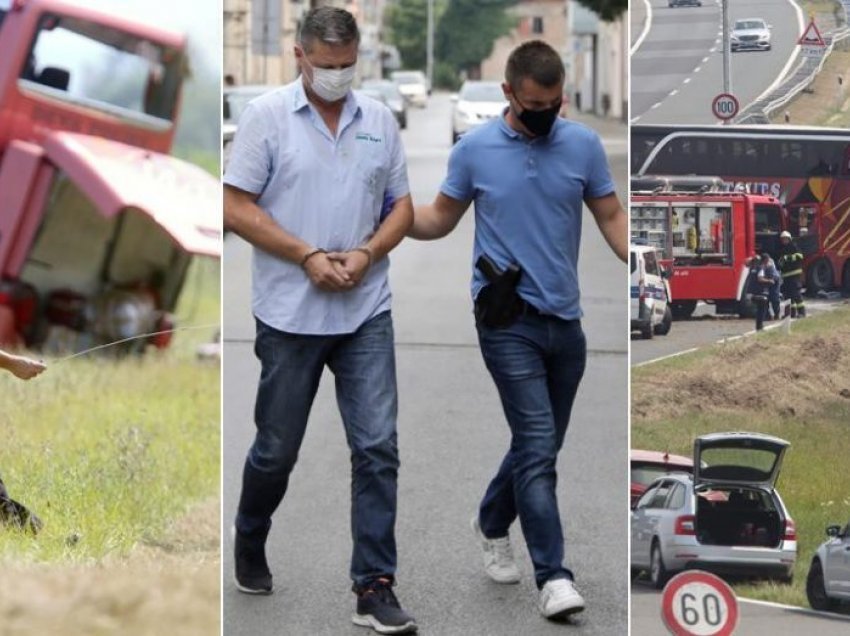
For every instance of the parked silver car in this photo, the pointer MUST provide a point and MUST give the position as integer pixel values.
(392, 97)
(828, 582)
(750, 34)
(727, 518)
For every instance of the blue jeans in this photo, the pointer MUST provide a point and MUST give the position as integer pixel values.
(537, 364)
(363, 364)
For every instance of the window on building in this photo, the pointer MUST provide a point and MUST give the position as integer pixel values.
(537, 25)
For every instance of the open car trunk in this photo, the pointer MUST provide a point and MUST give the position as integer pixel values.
(742, 517)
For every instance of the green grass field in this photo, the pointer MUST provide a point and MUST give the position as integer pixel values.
(795, 387)
(109, 453)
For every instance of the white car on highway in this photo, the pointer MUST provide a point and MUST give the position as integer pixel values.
(750, 34)
(828, 582)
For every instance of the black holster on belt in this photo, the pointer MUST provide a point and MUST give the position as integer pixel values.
(498, 305)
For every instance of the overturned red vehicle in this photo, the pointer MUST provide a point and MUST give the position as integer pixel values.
(98, 225)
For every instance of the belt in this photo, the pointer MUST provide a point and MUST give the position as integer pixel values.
(527, 309)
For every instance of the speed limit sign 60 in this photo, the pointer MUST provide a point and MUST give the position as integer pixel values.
(699, 604)
(725, 106)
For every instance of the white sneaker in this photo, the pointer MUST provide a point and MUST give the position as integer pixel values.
(499, 563)
(559, 598)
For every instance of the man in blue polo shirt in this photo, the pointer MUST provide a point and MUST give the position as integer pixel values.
(528, 173)
(309, 170)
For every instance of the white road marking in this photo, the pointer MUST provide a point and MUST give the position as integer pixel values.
(674, 91)
(704, 60)
(802, 25)
(672, 355)
(697, 69)
(687, 80)
(801, 610)
(647, 24)
(656, 104)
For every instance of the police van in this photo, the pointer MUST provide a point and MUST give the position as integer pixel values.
(650, 293)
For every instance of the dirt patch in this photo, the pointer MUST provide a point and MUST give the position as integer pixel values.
(790, 376)
(167, 586)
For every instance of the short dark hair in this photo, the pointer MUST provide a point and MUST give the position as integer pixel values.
(536, 61)
(329, 25)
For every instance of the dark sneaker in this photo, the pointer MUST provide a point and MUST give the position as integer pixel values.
(252, 570)
(378, 608)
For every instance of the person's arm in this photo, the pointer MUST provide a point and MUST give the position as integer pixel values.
(21, 367)
(355, 263)
(613, 223)
(245, 218)
(437, 219)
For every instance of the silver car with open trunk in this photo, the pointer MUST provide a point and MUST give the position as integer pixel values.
(727, 518)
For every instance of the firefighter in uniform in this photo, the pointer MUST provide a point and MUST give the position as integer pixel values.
(791, 266)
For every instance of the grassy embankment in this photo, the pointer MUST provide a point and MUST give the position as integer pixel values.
(796, 387)
(121, 460)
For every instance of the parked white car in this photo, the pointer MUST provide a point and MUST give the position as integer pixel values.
(649, 307)
(828, 582)
(727, 518)
(477, 102)
(750, 34)
(413, 85)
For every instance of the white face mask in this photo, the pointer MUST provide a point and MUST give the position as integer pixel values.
(331, 84)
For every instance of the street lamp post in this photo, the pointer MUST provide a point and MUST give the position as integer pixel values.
(429, 54)
(727, 72)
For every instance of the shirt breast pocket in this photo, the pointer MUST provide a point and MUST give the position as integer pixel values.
(373, 173)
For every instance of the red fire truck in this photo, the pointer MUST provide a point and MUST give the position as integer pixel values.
(707, 238)
(97, 224)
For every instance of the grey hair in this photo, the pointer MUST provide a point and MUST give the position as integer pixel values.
(329, 25)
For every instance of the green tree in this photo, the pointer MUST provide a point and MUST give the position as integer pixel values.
(608, 10)
(407, 21)
(467, 30)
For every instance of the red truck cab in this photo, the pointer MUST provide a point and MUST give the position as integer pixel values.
(707, 238)
(91, 206)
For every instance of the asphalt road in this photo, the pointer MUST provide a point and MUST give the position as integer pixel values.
(678, 68)
(706, 328)
(452, 435)
(755, 619)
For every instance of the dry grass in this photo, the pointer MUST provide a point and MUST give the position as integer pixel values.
(785, 376)
(169, 586)
(827, 103)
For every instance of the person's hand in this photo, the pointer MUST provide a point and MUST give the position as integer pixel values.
(327, 274)
(25, 368)
(354, 263)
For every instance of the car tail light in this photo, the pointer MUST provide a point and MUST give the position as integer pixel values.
(790, 531)
(685, 525)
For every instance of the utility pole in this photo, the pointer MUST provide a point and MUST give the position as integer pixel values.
(727, 71)
(429, 53)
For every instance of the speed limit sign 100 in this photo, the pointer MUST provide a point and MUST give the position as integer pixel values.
(724, 106)
(699, 604)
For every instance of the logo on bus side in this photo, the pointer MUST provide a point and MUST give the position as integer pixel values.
(755, 187)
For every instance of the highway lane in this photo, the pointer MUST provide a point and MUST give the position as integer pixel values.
(678, 69)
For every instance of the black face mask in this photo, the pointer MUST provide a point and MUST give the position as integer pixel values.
(538, 122)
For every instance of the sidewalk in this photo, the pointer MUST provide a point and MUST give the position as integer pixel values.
(607, 127)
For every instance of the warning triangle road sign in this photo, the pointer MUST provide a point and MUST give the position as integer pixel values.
(811, 36)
